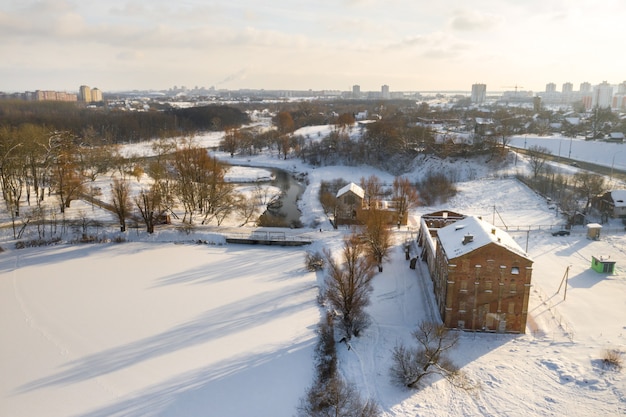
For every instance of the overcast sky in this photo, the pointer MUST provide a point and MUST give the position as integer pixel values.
(323, 44)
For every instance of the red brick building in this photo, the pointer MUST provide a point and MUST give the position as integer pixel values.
(481, 276)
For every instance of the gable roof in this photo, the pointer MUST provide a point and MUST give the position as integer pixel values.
(353, 188)
(619, 198)
(453, 236)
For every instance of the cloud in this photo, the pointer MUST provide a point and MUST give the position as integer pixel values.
(45, 7)
(470, 20)
(130, 55)
(436, 45)
(132, 8)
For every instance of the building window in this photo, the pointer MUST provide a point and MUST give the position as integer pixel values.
(488, 286)
(465, 265)
(515, 270)
(462, 307)
(463, 286)
(461, 324)
(513, 286)
(511, 307)
(490, 265)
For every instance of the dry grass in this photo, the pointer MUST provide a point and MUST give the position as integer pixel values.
(613, 359)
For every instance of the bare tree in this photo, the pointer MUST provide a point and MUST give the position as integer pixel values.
(537, 158)
(245, 207)
(216, 193)
(506, 125)
(193, 167)
(149, 203)
(412, 364)
(66, 173)
(232, 140)
(348, 285)
(376, 236)
(373, 188)
(345, 120)
(329, 205)
(404, 197)
(284, 123)
(120, 191)
(588, 185)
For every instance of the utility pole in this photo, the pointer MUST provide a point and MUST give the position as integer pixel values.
(564, 279)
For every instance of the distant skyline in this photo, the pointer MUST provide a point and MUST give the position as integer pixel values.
(300, 45)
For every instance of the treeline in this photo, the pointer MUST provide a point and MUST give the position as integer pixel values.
(572, 194)
(35, 166)
(109, 126)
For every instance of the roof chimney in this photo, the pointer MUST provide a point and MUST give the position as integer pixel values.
(493, 230)
(467, 239)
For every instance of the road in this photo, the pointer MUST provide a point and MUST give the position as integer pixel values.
(598, 169)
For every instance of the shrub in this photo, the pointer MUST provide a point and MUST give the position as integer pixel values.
(330, 394)
(612, 359)
(436, 188)
(314, 261)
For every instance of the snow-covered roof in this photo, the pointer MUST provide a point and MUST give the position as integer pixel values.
(483, 121)
(351, 187)
(453, 236)
(619, 198)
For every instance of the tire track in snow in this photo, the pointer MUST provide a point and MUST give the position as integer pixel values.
(28, 317)
(368, 357)
(367, 380)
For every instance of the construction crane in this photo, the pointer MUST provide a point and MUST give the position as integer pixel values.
(513, 86)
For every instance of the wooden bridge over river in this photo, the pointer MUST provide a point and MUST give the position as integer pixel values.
(262, 237)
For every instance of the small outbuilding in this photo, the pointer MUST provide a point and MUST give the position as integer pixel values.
(593, 231)
(613, 203)
(602, 264)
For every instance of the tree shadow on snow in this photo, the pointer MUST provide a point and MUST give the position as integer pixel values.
(216, 323)
(242, 386)
(237, 264)
(55, 254)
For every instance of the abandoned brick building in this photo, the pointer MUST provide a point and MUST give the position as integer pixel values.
(481, 276)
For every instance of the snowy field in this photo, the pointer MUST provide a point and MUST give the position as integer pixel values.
(155, 328)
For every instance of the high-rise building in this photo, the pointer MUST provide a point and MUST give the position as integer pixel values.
(85, 93)
(585, 88)
(602, 95)
(48, 95)
(96, 95)
(479, 93)
(568, 88)
(568, 92)
(384, 92)
(619, 99)
(550, 88)
(356, 91)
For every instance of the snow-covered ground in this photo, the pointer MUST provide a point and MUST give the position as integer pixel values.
(155, 327)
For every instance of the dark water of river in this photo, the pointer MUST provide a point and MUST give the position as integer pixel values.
(288, 214)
